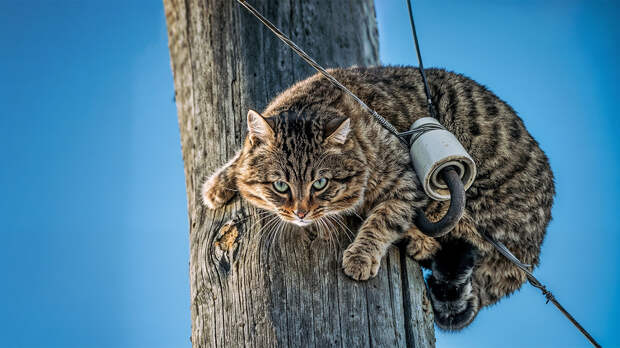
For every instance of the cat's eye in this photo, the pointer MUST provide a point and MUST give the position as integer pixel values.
(280, 186)
(319, 184)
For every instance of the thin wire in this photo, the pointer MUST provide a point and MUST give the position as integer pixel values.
(537, 284)
(427, 90)
(387, 125)
(417, 132)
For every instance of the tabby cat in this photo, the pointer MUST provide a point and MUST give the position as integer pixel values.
(314, 152)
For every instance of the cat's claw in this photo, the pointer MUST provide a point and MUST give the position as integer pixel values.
(360, 266)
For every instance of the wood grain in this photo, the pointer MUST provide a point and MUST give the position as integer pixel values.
(251, 289)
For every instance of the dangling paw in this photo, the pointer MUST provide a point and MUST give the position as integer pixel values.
(215, 194)
(360, 265)
(454, 305)
(421, 247)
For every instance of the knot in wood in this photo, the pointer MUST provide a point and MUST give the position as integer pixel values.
(226, 245)
(227, 237)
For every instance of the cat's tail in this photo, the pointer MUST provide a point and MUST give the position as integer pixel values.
(454, 301)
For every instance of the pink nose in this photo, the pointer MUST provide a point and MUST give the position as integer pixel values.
(301, 213)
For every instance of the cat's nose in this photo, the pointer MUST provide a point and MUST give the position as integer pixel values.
(301, 213)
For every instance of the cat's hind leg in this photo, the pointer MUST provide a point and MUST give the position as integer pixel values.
(420, 246)
(453, 297)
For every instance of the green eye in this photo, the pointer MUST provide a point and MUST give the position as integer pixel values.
(280, 186)
(319, 184)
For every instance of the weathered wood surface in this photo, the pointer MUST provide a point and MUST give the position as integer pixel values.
(247, 288)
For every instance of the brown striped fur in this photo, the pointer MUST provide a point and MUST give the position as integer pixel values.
(303, 136)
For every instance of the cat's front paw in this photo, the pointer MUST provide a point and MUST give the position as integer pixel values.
(360, 265)
(214, 193)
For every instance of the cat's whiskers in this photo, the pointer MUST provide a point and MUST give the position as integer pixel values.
(267, 227)
(280, 226)
(352, 211)
(260, 215)
(260, 219)
(320, 230)
(326, 232)
(350, 233)
(263, 223)
(283, 226)
(326, 221)
(272, 233)
(338, 220)
(335, 236)
(334, 242)
(277, 229)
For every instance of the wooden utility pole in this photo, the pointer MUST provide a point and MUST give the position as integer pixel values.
(248, 289)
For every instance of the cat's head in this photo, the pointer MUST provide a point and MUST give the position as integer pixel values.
(301, 166)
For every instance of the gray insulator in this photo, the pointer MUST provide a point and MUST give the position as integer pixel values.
(434, 148)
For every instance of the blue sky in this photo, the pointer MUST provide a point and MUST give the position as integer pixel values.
(93, 221)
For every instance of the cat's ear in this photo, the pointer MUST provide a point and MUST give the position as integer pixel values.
(258, 127)
(337, 130)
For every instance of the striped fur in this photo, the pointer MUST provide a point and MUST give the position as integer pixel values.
(313, 131)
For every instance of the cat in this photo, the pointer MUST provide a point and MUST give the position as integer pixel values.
(314, 152)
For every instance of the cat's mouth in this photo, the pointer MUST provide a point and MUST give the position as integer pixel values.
(302, 222)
